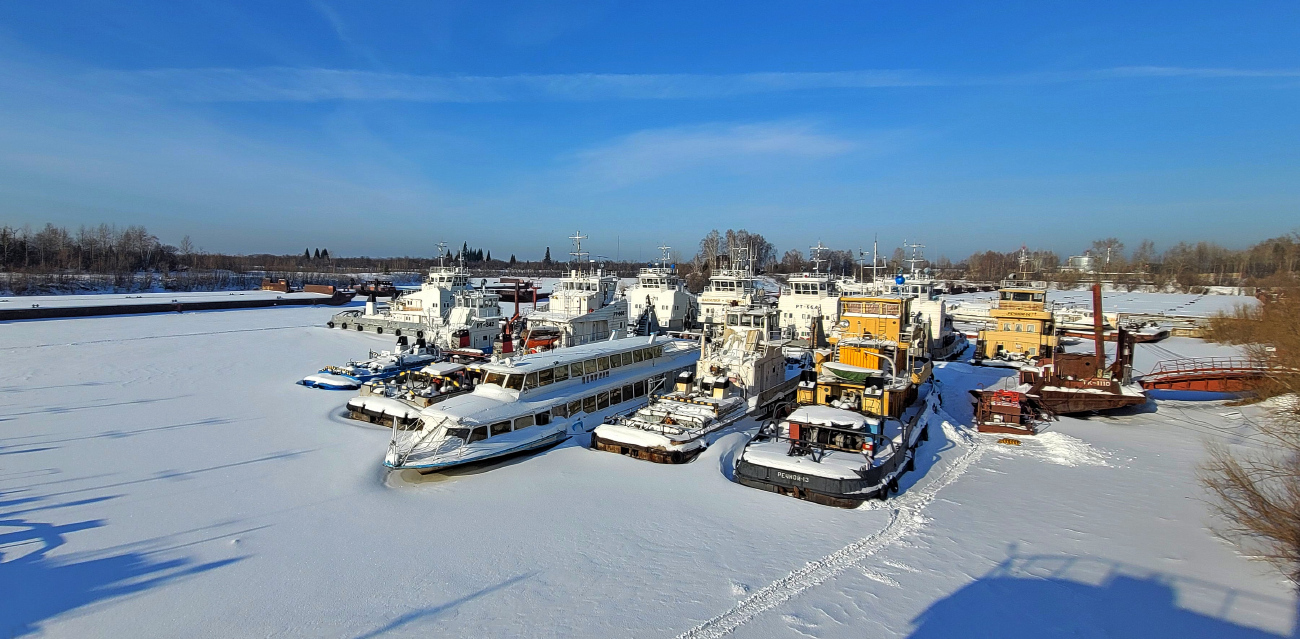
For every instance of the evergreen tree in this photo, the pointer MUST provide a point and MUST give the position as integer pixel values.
(489, 257)
(512, 259)
(325, 254)
(306, 254)
(317, 256)
(464, 250)
(546, 261)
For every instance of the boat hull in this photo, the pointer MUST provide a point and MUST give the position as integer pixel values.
(524, 448)
(647, 453)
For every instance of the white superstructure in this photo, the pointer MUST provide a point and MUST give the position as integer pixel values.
(658, 289)
(810, 297)
(532, 401)
(583, 307)
(730, 287)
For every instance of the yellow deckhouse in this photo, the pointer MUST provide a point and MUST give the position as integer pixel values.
(879, 358)
(1022, 325)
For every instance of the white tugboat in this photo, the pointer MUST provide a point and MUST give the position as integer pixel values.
(582, 308)
(808, 297)
(730, 287)
(659, 298)
(447, 310)
(533, 401)
(743, 373)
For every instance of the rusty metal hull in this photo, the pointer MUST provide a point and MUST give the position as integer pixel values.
(1066, 402)
(656, 455)
(1003, 429)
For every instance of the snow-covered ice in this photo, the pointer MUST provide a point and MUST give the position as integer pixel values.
(162, 475)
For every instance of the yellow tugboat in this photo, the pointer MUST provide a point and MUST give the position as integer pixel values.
(859, 419)
(1023, 327)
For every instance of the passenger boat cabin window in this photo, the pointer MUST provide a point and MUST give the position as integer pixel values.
(589, 404)
(499, 428)
(459, 433)
(523, 422)
(602, 401)
(514, 381)
(627, 392)
(627, 358)
(589, 367)
(530, 381)
(638, 355)
(615, 360)
(543, 418)
(478, 434)
(495, 378)
(575, 369)
(561, 373)
(559, 410)
(602, 363)
(638, 388)
(575, 407)
(616, 396)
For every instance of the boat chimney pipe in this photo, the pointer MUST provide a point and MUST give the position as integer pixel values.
(370, 304)
(1098, 339)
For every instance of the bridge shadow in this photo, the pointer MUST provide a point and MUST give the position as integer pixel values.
(40, 582)
(1046, 597)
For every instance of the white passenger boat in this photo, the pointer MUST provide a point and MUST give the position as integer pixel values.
(533, 401)
(583, 307)
(745, 372)
(660, 297)
(732, 286)
(379, 365)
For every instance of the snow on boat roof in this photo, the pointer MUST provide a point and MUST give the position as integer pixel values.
(385, 405)
(442, 368)
(548, 359)
(827, 416)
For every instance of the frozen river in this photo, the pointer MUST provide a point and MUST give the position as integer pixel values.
(162, 476)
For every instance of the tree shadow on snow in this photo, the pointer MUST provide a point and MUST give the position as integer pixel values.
(434, 611)
(41, 584)
(1044, 597)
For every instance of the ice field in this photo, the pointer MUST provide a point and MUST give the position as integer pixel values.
(163, 476)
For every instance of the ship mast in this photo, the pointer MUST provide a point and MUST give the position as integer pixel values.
(816, 255)
(577, 252)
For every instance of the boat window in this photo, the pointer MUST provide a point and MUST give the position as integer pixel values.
(560, 410)
(561, 373)
(746, 320)
(732, 320)
(575, 407)
(638, 388)
(515, 381)
(477, 435)
(659, 351)
(589, 366)
(603, 363)
(523, 422)
(589, 404)
(575, 369)
(1022, 297)
(459, 433)
(530, 381)
(499, 428)
(1029, 328)
(615, 396)
(615, 360)
(602, 401)
(627, 358)
(1017, 328)
(638, 355)
(545, 377)
(627, 392)
(1040, 297)
(495, 378)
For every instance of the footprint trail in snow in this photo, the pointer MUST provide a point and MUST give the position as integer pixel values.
(904, 520)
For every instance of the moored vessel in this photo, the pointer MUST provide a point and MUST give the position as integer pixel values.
(742, 373)
(860, 415)
(582, 309)
(529, 402)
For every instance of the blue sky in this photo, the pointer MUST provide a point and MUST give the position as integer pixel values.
(382, 128)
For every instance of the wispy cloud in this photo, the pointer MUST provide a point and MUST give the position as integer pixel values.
(315, 84)
(645, 155)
